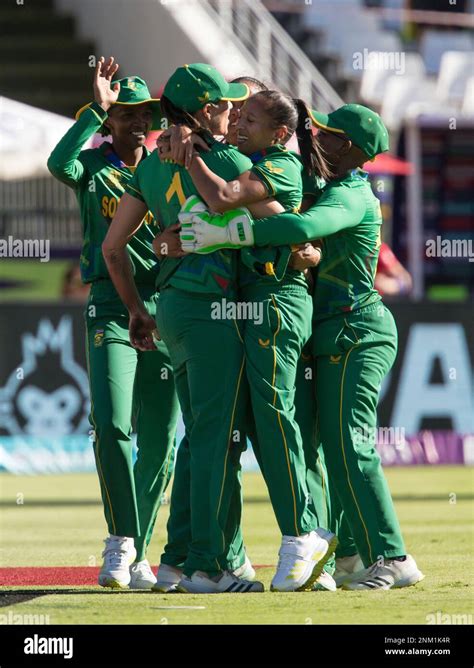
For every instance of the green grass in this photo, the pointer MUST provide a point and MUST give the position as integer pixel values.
(435, 510)
(41, 281)
(448, 293)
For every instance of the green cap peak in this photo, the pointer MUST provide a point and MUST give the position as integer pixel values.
(190, 87)
(362, 125)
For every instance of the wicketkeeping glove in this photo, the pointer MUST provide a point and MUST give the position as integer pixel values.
(207, 232)
(191, 206)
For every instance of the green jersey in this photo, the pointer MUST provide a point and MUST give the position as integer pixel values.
(164, 187)
(281, 172)
(347, 217)
(99, 177)
(312, 185)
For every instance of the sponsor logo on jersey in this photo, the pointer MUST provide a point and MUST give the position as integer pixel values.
(115, 178)
(334, 359)
(98, 338)
(265, 343)
(274, 170)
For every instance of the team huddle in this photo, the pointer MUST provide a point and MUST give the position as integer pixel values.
(222, 212)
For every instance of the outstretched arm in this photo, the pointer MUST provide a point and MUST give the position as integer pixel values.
(220, 195)
(333, 212)
(223, 195)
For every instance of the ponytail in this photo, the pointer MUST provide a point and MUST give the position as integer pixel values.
(311, 154)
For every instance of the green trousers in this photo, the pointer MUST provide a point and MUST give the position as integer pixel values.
(274, 339)
(208, 361)
(320, 494)
(129, 389)
(179, 522)
(353, 354)
(346, 546)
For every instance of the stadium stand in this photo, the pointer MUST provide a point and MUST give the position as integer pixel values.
(455, 69)
(42, 57)
(376, 76)
(468, 102)
(434, 43)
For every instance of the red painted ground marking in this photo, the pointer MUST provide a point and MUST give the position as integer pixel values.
(55, 575)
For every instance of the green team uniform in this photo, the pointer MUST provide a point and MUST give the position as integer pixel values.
(126, 386)
(319, 486)
(208, 361)
(273, 348)
(355, 344)
(321, 489)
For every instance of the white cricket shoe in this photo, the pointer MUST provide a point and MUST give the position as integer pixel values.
(141, 575)
(347, 568)
(246, 571)
(167, 579)
(302, 559)
(325, 582)
(119, 553)
(227, 583)
(391, 575)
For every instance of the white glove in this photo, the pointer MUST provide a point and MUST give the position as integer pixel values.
(208, 232)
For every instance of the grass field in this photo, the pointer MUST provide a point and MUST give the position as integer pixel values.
(33, 280)
(57, 521)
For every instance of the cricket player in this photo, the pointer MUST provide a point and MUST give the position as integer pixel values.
(126, 386)
(354, 334)
(207, 354)
(234, 558)
(274, 344)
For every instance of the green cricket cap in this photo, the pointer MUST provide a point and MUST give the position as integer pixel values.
(133, 90)
(362, 125)
(192, 86)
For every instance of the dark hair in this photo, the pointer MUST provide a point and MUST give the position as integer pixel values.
(251, 80)
(311, 152)
(177, 116)
(284, 110)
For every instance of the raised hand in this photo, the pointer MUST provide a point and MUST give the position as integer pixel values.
(104, 94)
